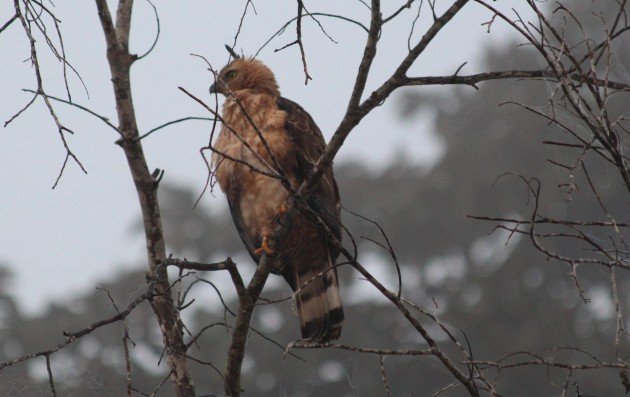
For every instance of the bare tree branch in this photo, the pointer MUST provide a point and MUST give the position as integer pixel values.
(73, 336)
(120, 61)
(61, 129)
(236, 351)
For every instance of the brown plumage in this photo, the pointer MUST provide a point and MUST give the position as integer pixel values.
(258, 203)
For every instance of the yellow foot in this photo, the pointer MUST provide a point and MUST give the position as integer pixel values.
(264, 248)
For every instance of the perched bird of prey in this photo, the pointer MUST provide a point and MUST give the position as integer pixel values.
(295, 246)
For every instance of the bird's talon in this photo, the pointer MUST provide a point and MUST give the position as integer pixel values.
(264, 248)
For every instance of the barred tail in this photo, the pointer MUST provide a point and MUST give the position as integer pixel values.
(318, 302)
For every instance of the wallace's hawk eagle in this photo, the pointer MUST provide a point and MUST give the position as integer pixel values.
(298, 249)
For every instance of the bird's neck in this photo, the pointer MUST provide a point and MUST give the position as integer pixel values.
(247, 104)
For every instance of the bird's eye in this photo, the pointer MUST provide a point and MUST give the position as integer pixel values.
(230, 74)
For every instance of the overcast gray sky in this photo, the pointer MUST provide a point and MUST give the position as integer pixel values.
(60, 241)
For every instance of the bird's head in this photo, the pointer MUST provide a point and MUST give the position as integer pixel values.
(245, 74)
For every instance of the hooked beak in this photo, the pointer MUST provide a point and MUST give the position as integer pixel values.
(216, 88)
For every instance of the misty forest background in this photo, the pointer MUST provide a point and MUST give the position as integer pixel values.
(504, 295)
